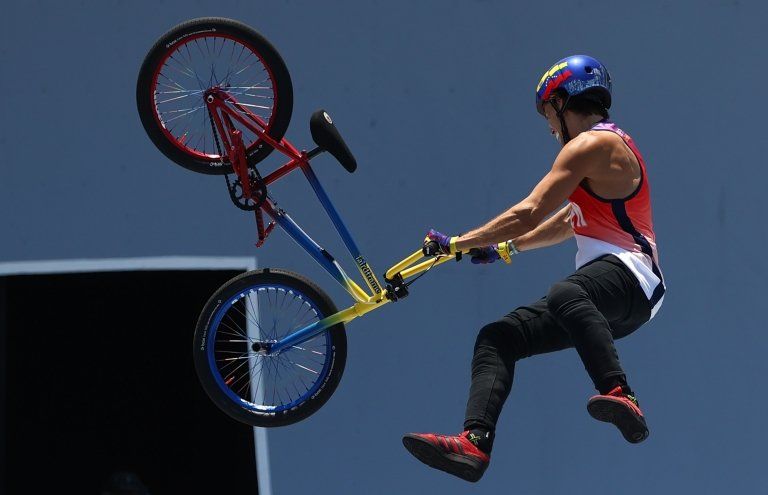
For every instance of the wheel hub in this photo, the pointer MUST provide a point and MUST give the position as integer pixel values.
(262, 348)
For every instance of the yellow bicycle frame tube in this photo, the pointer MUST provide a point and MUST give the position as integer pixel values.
(359, 308)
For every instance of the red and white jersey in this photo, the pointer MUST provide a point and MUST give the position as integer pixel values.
(622, 227)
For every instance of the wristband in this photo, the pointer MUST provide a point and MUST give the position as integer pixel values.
(512, 248)
(452, 245)
(506, 250)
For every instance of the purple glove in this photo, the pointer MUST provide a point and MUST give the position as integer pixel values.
(483, 256)
(436, 243)
(489, 254)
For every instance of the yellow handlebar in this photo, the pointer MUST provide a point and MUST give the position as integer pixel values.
(405, 269)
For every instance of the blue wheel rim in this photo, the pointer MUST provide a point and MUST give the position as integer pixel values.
(262, 369)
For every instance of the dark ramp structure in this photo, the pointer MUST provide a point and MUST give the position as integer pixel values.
(99, 386)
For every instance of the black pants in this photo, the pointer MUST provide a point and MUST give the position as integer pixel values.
(600, 302)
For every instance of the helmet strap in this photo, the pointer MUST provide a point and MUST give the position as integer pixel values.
(560, 112)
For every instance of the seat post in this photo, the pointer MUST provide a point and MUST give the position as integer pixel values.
(313, 153)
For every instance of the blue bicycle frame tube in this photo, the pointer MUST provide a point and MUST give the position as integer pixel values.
(313, 329)
(313, 249)
(338, 223)
(304, 334)
(330, 209)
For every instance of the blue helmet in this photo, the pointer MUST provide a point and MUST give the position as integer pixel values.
(576, 74)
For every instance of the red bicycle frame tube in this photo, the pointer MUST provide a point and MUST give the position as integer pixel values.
(216, 101)
(219, 104)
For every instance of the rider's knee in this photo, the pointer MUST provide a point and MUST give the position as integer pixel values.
(490, 334)
(504, 335)
(562, 295)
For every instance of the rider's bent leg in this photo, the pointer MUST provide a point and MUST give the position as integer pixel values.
(598, 303)
(525, 331)
(590, 333)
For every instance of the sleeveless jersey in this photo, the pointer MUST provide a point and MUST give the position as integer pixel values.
(622, 227)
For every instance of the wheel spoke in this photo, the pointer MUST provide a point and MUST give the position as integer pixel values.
(238, 331)
(251, 320)
(189, 111)
(253, 105)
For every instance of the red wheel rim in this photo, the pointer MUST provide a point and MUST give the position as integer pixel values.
(179, 82)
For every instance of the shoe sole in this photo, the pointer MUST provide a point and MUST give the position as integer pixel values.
(464, 467)
(614, 411)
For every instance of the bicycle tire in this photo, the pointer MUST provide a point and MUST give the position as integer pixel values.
(212, 356)
(278, 90)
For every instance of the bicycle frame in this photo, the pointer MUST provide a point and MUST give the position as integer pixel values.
(224, 109)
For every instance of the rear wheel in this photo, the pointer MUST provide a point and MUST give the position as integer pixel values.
(202, 54)
(254, 387)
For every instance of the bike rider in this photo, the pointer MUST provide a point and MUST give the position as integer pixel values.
(616, 288)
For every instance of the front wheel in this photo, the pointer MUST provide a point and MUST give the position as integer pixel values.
(204, 54)
(257, 388)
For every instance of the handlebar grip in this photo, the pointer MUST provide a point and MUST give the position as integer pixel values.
(431, 248)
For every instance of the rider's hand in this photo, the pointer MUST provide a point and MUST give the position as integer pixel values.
(489, 254)
(436, 243)
(482, 256)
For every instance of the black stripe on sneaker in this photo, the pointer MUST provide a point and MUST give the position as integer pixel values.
(459, 448)
(443, 443)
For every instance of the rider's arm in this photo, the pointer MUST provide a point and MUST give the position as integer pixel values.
(551, 231)
(572, 165)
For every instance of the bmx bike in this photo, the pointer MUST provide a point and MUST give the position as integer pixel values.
(270, 346)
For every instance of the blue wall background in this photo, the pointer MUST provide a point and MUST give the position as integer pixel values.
(436, 100)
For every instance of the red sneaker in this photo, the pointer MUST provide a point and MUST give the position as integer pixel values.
(622, 410)
(456, 455)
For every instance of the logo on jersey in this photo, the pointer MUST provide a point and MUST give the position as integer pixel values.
(577, 216)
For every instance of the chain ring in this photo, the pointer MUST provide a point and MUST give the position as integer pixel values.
(257, 182)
